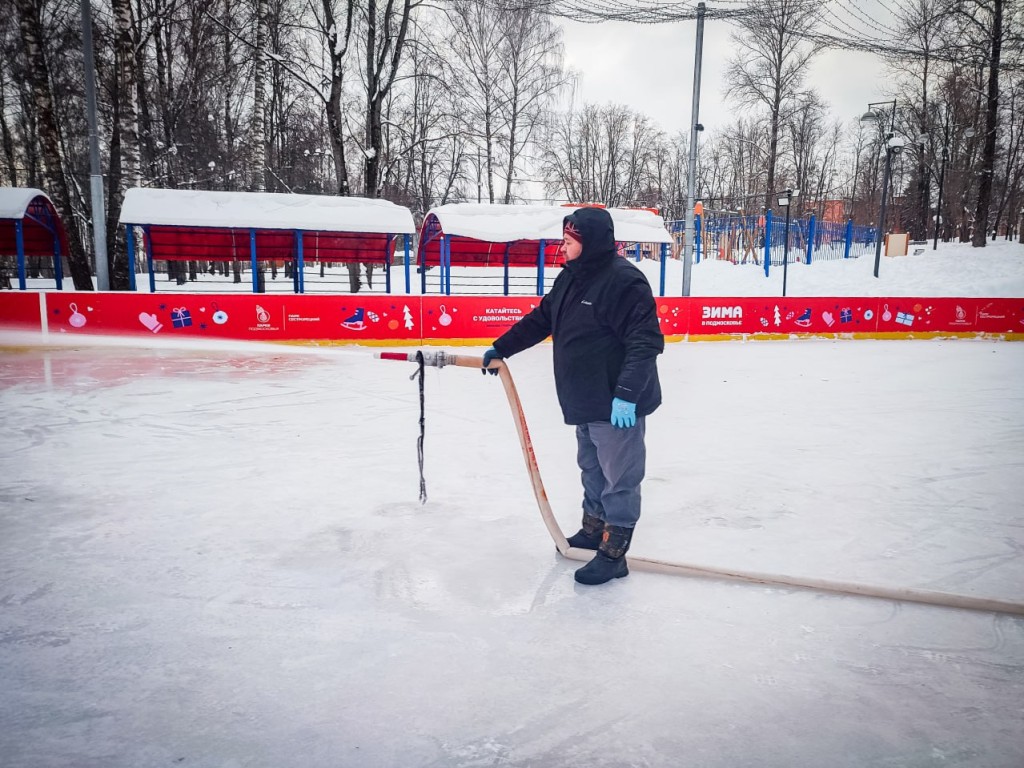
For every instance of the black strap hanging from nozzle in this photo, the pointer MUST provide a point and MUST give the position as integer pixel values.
(419, 441)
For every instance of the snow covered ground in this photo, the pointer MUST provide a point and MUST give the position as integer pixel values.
(216, 557)
(954, 269)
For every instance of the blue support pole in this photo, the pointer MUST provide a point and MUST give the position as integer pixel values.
(252, 258)
(408, 282)
(540, 269)
(58, 268)
(423, 268)
(507, 247)
(129, 243)
(19, 245)
(387, 264)
(810, 237)
(849, 238)
(697, 221)
(300, 262)
(664, 260)
(767, 242)
(448, 266)
(147, 242)
(636, 249)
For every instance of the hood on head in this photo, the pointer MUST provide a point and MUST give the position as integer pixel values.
(596, 232)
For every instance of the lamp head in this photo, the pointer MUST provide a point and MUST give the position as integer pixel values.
(869, 117)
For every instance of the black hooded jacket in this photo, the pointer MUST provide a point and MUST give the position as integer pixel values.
(602, 318)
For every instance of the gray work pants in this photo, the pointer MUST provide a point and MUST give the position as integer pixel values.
(612, 463)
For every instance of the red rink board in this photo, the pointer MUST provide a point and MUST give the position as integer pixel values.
(264, 317)
(20, 311)
(401, 319)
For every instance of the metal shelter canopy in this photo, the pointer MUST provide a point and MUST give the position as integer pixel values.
(264, 210)
(498, 235)
(30, 226)
(186, 225)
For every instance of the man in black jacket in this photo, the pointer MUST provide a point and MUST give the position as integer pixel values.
(602, 318)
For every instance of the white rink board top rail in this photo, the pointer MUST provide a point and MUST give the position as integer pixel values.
(14, 201)
(264, 210)
(508, 223)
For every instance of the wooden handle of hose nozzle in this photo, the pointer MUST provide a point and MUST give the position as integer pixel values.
(472, 361)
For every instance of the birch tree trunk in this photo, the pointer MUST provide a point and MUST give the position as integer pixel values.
(5, 133)
(125, 169)
(988, 157)
(337, 44)
(49, 137)
(258, 135)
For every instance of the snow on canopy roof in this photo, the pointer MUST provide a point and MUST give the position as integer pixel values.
(507, 223)
(14, 201)
(264, 210)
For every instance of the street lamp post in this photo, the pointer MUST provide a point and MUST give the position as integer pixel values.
(99, 224)
(691, 173)
(785, 200)
(893, 146)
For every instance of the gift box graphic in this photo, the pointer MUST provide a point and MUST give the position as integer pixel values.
(180, 318)
(845, 315)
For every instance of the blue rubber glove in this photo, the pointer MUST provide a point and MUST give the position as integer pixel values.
(489, 355)
(623, 413)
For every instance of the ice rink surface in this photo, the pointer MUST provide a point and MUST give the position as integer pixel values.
(216, 557)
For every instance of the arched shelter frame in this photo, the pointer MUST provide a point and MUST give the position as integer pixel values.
(31, 227)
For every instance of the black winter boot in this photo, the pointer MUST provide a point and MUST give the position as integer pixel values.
(589, 536)
(610, 561)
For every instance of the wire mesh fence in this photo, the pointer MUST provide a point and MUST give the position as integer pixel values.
(751, 239)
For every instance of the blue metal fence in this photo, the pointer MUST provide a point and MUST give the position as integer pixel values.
(755, 239)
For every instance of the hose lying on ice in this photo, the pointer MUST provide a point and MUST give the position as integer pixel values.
(440, 359)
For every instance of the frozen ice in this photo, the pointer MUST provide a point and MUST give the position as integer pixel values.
(216, 557)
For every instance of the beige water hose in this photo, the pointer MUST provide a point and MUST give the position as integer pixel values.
(928, 597)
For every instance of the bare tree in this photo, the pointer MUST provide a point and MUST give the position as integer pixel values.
(337, 44)
(925, 23)
(125, 169)
(814, 145)
(38, 72)
(258, 129)
(532, 73)
(476, 35)
(980, 22)
(7, 92)
(772, 64)
(386, 31)
(1011, 196)
(600, 154)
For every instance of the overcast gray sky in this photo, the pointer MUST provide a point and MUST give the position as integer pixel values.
(649, 67)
